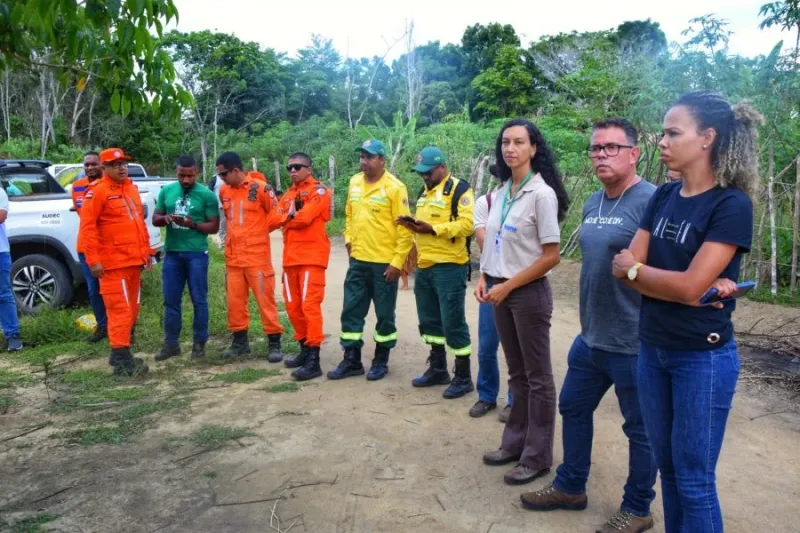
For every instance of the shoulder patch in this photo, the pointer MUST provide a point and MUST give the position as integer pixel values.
(89, 195)
(465, 201)
(252, 194)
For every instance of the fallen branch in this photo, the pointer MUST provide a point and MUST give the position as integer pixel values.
(100, 404)
(231, 504)
(769, 414)
(378, 413)
(388, 478)
(37, 428)
(221, 386)
(246, 475)
(440, 502)
(313, 483)
(363, 495)
(68, 361)
(201, 452)
(419, 404)
(54, 494)
(411, 421)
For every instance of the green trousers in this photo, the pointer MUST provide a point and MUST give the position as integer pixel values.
(440, 291)
(363, 284)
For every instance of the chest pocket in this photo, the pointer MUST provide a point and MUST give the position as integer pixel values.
(520, 226)
(377, 204)
(119, 207)
(437, 211)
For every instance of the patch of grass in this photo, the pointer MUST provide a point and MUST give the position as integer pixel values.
(210, 474)
(764, 294)
(123, 394)
(286, 386)
(31, 524)
(6, 402)
(335, 226)
(10, 379)
(144, 409)
(97, 434)
(247, 375)
(212, 435)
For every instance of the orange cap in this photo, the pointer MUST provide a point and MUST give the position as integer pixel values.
(113, 154)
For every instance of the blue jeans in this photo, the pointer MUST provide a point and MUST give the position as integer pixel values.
(8, 305)
(488, 342)
(180, 269)
(685, 399)
(590, 373)
(95, 298)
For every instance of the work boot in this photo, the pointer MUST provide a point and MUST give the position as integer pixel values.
(298, 360)
(133, 335)
(98, 335)
(350, 365)
(310, 368)
(481, 408)
(125, 364)
(436, 373)
(198, 349)
(380, 364)
(550, 499)
(240, 346)
(167, 351)
(521, 474)
(504, 414)
(275, 355)
(462, 382)
(625, 522)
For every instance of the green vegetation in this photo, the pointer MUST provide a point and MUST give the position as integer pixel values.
(31, 524)
(212, 435)
(286, 386)
(247, 375)
(10, 379)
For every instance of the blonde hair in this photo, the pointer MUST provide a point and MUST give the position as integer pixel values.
(734, 154)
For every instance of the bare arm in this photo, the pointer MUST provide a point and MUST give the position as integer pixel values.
(480, 236)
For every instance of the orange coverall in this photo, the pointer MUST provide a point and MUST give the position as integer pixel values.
(113, 233)
(249, 207)
(306, 249)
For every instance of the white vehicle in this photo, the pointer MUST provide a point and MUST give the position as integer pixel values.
(42, 229)
(66, 173)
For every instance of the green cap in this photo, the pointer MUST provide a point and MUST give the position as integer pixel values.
(372, 146)
(428, 159)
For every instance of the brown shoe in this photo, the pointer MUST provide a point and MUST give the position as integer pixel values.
(504, 414)
(521, 474)
(499, 458)
(625, 522)
(481, 408)
(550, 499)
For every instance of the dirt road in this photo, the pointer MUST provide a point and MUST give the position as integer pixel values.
(353, 456)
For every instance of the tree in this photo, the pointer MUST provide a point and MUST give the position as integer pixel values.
(641, 36)
(505, 87)
(787, 16)
(109, 41)
(482, 43)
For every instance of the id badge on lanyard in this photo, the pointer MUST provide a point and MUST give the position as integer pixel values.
(498, 242)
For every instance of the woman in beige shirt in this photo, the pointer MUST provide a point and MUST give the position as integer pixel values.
(522, 245)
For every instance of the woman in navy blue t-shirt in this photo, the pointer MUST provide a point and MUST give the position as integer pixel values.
(691, 238)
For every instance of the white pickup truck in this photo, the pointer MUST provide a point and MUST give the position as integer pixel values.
(42, 229)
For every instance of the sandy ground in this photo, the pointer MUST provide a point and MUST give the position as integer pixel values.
(353, 456)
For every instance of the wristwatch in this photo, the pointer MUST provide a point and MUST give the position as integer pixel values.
(633, 271)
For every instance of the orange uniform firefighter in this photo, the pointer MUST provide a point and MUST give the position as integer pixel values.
(116, 244)
(249, 207)
(303, 211)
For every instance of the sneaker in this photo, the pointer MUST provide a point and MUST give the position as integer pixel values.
(521, 474)
(625, 522)
(504, 414)
(481, 408)
(550, 499)
(13, 344)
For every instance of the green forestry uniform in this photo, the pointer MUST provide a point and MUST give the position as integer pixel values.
(376, 242)
(440, 281)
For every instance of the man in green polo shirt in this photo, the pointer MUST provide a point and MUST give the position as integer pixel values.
(190, 213)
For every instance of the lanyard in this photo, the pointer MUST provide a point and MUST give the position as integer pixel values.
(506, 209)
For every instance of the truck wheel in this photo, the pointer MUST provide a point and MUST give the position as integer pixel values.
(39, 280)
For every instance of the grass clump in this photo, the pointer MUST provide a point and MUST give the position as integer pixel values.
(247, 375)
(31, 524)
(10, 379)
(212, 435)
(6, 402)
(286, 386)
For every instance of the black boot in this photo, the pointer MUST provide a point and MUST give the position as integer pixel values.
(198, 349)
(380, 364)
(310, 368)
(168, 351)
(240, 345)
(350, 365)
(462, 382)
(299, 359)
(125, 364)
(98, 335)
(437, 373)
(274, 354)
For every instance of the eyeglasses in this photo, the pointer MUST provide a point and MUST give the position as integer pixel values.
(611, 149)
(296, 167)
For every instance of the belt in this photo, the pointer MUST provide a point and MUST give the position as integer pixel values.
(503, 280)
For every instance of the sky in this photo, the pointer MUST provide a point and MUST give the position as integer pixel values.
(365, 29)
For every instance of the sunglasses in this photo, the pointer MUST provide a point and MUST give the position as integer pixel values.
(296, 167)
(225, 173)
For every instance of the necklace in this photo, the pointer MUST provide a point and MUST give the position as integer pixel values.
(602, 196)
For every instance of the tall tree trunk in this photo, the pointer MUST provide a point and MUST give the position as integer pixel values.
(772, 231)
(44, 108)
(795, 230)
(332, 175)
(5, 103)
(91, 117)
(277, 175)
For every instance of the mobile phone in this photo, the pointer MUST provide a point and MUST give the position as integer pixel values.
(741, 289)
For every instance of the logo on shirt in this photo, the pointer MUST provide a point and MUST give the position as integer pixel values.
(464, 201)
(604, 221)
(672, 231)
